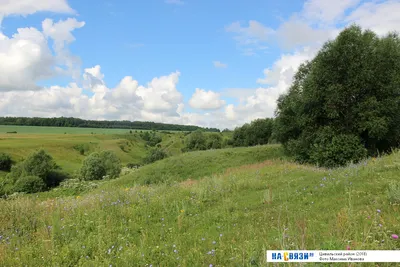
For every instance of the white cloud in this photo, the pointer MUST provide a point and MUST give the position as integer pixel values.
(381, 17)
(219, 64)
(27, 7)
(202, 99)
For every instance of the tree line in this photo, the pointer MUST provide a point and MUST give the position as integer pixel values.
(81, 123)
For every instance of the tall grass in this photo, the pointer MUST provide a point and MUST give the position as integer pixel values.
(227, 219)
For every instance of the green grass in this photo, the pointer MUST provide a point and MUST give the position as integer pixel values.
(198, 164)
(59, 130)
(225, 219)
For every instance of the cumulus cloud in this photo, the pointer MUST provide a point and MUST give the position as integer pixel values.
(202, 99)
(219, 64)
(27, 7)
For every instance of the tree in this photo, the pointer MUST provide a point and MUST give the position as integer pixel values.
(5, 162)
(196, 141)
(39, 163)
(111, 163)
(93, 167)
(97, 165)
(214, 141)
(155, 154)
(343, 104)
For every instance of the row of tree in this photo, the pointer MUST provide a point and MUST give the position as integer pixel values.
(75, 122)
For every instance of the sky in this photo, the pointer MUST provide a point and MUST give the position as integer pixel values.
(195, 62)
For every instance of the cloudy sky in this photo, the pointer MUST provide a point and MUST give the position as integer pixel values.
(202, 62)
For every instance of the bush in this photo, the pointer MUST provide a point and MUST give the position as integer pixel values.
(29, 184)
(5, 162)
(343, 105)
(155, 154)
(195, 141)
(93, 167)
(214, 141)
(98, 165)
(111, 163)
(39, 163)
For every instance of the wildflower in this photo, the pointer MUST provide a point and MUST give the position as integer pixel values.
(78, 197)
(214, 242)
(348, 247)
(380, 225)
(394, 236)
(173, 246)
(378, 210)
(203, 239)
(210, 265)
(182, 211)
(175, 251)
(220, 235)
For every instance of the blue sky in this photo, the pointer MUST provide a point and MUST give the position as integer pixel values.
(239, 55)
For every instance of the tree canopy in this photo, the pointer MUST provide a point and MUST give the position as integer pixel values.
(344, 104)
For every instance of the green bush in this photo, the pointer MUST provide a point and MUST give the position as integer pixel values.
(97, 165)
(93, 167)
(155, 154)
(39, 163)
(111, 163)
(343, 105)
(214, 141)
(29, 184)
(195, 141)
(5, 162)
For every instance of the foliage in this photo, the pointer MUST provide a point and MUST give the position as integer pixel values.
(155, 154)
(39, 163)
(5, 162)
(195, 141)
(29, 184)
(343, 105)
(93, 167)
(258, 132)
(151, 139)
(214, 141)
(97, 165)
(75, 122)
(111, 163)
(82, 148)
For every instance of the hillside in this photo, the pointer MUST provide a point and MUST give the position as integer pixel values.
(64, 143)
(224, 219)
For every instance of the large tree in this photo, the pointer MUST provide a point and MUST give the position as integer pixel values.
(344, 104)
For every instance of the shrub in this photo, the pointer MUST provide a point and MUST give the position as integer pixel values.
(214, 141)
(98, 165)
(93, 167)
(29, 184)
(39, 163)
(155, 154)
(111, 163)
(5, 162)
(196, 141)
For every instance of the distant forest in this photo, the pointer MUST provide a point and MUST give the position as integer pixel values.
(75, 122)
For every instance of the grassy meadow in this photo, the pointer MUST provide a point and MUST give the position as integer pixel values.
(222, 212)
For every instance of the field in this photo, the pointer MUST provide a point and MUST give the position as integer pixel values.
(130, 148)
(220, 208)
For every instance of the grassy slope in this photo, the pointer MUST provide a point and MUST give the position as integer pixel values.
(224, 220)
(199, 164)
(128, 147)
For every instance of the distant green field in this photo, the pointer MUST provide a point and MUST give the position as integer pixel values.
(60, 130)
